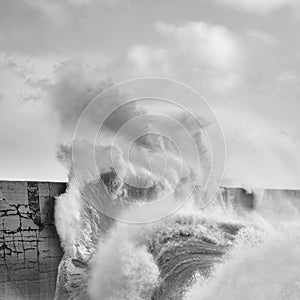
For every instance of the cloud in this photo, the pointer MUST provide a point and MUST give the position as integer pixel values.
(260, 153)
(40, 28)
(73, 96)
(262, 37)
(203, 44)
(27, 131)
(75, 85)
(258, 6)
(148, 59)
(204, 55)
(112, 3)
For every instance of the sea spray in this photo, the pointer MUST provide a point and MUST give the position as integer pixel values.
(267, 266)
(198, 233)
(122, 268)
(224, 251)
(157, 260)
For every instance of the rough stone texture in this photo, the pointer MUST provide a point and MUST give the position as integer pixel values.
(29, 245)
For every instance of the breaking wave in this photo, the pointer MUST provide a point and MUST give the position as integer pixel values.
(206, 242)
(244, 245)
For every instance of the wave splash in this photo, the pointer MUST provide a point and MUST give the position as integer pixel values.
(244, 245)
(241, 245)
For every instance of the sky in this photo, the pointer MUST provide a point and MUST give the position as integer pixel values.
(243, 56)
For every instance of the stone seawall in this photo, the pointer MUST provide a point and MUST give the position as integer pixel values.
(29, 246)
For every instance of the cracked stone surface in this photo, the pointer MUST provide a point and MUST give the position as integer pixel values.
(29, 246)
